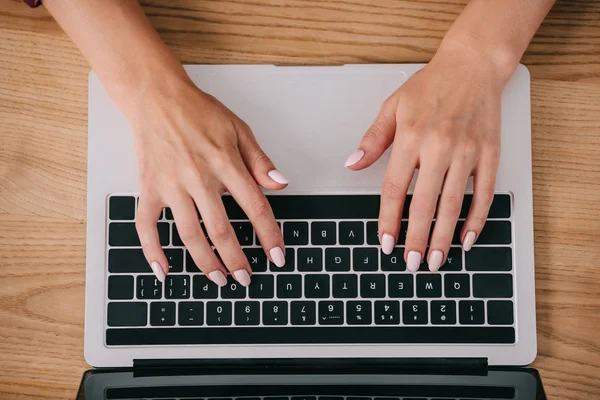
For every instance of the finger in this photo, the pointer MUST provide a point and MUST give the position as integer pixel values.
(258, 163)
(222, 235)
(484, 181)
(396, 181)
(149, 211)
(252, 200)
(190, 232)
(377, 139)
(448, 211)
(422, 209)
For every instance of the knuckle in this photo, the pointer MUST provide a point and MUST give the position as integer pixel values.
(469, 150)
(422, 206)
(220, 231)
(260, 208)
(190, 232)
(258, 157)
(391, 190)
(452, 205)
(224, 158)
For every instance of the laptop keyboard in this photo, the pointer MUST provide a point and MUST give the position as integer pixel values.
(336, 286)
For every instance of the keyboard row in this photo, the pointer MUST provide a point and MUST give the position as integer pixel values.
(295, 233)
(315, 286)
(316, 259)
(310, 313)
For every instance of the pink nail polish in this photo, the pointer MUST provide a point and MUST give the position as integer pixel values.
(218, 277)
(277, 256)
(435, 260)
(354, 158)
(469, 240)
(387, 243)
(413, 261)
(158, 271)
(278, 177)
(242, 276)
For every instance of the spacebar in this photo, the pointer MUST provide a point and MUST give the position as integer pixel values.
(309, 335)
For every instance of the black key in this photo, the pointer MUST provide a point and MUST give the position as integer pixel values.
(323, 233)
(148, 287)
(400, 285)
(394, 261)
(162, 313)
(233, 289)
(295, 233)
(121, 208)
(234, 211)
(257, 259)
(289, 262)
(127, 314)
(316, 286)
(494, 232)
(414, 312)
(218, 313)
(331, 313)
(365, 259)
(243, 232)
(262, 287)
(247, 313)
(289, 286)
(190, 313)
(500, 207)
(310, 259)
(500, 312)
(387, 312)
(275, 313)
(127, 261)
(457, 285)
(429, 285)
(443, 312)
(345, 286)
(492, 286)
(337, 259)
(453, 261)
(470, 312)
(372, 286)
(312, 335)
(303, 313)
(168, 214)
(177, 287)
(120, 287)
(175, 259)
(401, 241)
(325, 207)
(351, 232)
(204, 288)
(372, 233)
(489, 259)
(190, 265)
(358, 313)
(124, 234)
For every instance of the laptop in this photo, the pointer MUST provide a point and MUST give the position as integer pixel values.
(477, 312)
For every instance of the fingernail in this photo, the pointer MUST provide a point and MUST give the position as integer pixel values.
(413, 261)
(277, 256)
(158, 271)
(241, 275)
(435, 260)
(469, 240)
(278, 177)
(218, 277)
(387, 243)
(354, 158)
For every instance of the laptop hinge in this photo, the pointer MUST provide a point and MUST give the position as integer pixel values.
(447, 366)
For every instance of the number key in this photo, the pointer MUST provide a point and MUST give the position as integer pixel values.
(247, 313)
(443, 312)
(414, 312)
(331, 312)
(275, 313)
(218, 313)
(303, 313)
(358, 313)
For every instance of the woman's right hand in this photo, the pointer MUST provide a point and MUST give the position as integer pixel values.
(191, 149)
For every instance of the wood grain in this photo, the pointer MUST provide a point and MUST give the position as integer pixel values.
(43, 147)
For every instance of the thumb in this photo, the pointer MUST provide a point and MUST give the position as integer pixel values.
(377, 139)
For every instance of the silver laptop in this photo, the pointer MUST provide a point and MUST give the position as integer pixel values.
(479, 308)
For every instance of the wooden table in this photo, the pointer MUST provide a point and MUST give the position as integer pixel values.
(43, 145)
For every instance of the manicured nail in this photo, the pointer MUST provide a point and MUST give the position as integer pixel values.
(241, 275)
(469, 240)
(278, 177)
(277, 256)
(435, 260)
(218, 277)
(158, 271)
(413, 261)
(387, 243)
(354, 158)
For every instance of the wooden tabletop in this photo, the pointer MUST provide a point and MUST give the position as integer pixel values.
(43, 147)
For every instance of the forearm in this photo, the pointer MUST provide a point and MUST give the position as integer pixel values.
(497, 30)
(122, 46)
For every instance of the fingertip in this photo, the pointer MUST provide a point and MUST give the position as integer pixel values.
(469, 240)
(436, 259)
(159, 270)
(354, 158)
(278, 177)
